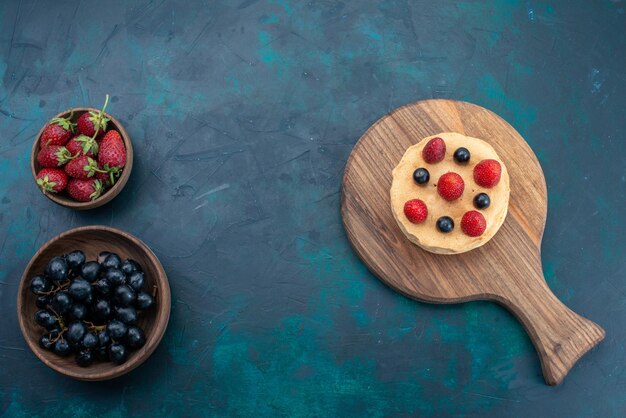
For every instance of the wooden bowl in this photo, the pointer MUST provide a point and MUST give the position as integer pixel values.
(92, 240)
(62, 198)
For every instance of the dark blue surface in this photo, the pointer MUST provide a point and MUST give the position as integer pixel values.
(242, 115)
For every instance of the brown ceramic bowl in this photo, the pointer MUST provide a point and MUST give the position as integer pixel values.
(62, 198)
(92, 240)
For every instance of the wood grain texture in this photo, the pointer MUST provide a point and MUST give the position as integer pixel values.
(92, 240)
(507, 269)
(63, 198)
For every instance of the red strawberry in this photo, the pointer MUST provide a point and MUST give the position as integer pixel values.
(415, 211)
(51, 180)
(93, 120)
(82, 167)
(57, 132)
(112, 150)
(89, 121)
(450, 186)
(84, 190)
(112, 154)
(473, 223)
(53, 156)
(82, 144)
(105, 179)
(487, 173)
(434, 151)
(75, 147)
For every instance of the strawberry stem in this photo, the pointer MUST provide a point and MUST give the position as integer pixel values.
(69, 119)
(97, 186)
(63, 155)
(87, 144)
(99, 121)
(92, 167)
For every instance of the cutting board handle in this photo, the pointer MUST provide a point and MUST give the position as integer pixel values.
(560, 335)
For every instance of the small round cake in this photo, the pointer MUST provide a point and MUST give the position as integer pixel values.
(450, 193)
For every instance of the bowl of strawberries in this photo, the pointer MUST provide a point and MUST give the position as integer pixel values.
(82, 158)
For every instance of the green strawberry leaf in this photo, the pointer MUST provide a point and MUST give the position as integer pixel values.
(63, 156)
(92, 168)
(46, 185)
(114, 173)
(98, 119)
(88, 144)
(97, 190)
(65, 123)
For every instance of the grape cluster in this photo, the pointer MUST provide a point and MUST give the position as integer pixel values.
(91, 308)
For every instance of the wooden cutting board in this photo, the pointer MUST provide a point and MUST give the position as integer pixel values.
(506, 270)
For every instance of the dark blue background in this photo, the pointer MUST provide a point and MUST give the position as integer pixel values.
(242, 115)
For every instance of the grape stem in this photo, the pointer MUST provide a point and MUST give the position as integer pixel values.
(59, 336)
(94, 327)
(56, 289)
(58, 317)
